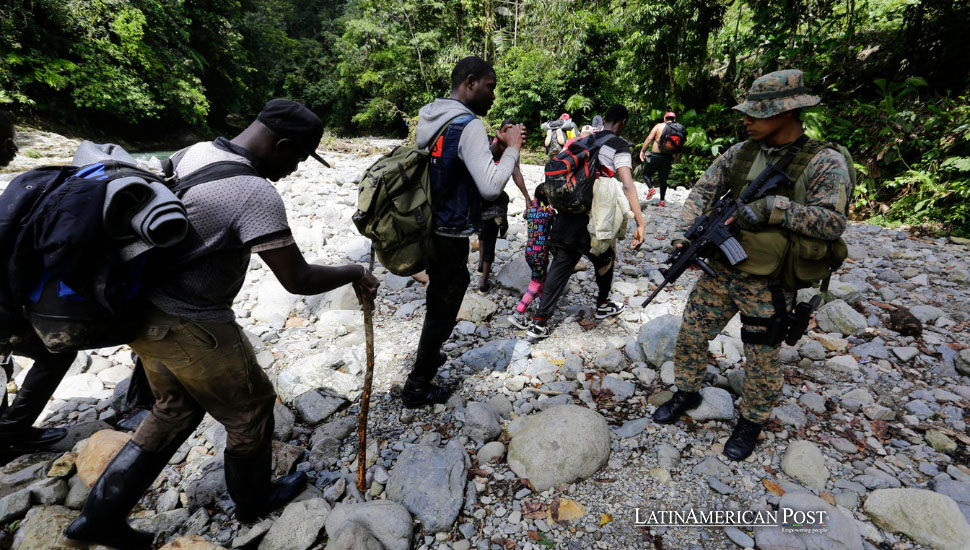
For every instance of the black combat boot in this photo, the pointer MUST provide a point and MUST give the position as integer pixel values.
(682, 401)
(419, 393)
(248, 478)
(103, 519)
(743, 439)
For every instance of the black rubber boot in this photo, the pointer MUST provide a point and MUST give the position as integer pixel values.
(681, 402)
(743, 439)
(248, 481)
(103, 519)
(31, 439)
(418, 393)
(17, 434)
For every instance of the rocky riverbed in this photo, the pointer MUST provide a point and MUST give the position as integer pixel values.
(550, 444)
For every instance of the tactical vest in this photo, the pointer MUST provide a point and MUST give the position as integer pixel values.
(456, 204)
(797, 260)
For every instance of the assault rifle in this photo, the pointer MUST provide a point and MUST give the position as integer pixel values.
(718, 229)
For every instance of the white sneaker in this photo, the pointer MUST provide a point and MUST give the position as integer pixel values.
(609, 309)
(519, 320)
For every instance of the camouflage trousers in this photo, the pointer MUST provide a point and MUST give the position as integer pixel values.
(711, 305)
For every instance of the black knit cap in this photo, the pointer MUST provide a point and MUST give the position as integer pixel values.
(288, 119)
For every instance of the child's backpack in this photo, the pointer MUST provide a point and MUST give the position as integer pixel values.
(394, 207)
(540, 217)
(73, 274)
(570, 175)
(672, 138)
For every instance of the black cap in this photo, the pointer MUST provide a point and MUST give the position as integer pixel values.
(288, 119)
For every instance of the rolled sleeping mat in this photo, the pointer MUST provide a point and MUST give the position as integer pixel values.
(89, 153)
(162, 222)
(123, 197)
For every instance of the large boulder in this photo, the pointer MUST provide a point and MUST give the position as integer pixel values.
(658, 337)
(838, 316)
(560, 445)
(804, 462)
(430, 482)
(317, 372)
(299, 525)
(99, 450)
(840, 532)
(928, 518)
(389, 521)
(497, 355)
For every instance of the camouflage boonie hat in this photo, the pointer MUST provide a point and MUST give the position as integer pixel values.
(777, 92)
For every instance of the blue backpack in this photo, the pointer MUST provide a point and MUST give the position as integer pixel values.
(69, 277)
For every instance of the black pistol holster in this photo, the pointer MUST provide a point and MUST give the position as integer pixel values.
(787, 325)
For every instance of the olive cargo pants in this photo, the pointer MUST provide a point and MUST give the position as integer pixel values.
(710, 307)
(197, 368)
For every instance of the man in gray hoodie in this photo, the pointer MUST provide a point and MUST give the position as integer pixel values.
(462, 174)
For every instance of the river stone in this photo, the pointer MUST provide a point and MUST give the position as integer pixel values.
(316, 406)
(926, 313)
(481, 422)
(560, 445)
(928, 518)
(658, 337)
(515, 275)
(491, 452)
(959, 491)
(317, 372)
(841, 531)
(41, 528)
(496, 355)
(353, 536)
(430, 482)
(962, 362)
(838, 316)
(342, 297)
(804, 462)
(192, 542)
(14, 505)
(476, 308)
(298, 526)
(97, 452)
(940, 442)
(208, 485)
(717, 404)
(609, 361)
(84, 385)
(388, 521)
(273, 304)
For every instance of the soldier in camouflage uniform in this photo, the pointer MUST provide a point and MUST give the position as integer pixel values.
(813, 208)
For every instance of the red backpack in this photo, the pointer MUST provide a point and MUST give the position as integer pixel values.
(571, 174)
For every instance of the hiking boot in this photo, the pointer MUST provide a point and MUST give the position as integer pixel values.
(662, 203)
(103, 519)
(538, 330)
(651, 193)
(519, 320)
(418, 394)
(609, 309)
(743, 439)
(681, 402)
(249, 485)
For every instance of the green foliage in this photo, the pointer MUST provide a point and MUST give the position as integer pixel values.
(893, 74)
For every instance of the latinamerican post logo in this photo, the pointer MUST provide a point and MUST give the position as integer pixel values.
(788, 519)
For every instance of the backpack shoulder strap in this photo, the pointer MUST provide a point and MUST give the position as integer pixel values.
(444, 128)
(212, 172)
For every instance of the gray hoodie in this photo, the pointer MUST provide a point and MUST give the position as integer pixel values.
(490, 178)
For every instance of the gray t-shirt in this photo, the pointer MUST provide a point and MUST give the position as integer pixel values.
(230, 219)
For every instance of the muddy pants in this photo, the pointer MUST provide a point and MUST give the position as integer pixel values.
(713, 303)
(197, 368)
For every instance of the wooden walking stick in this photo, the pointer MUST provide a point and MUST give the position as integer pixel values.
(368, 305)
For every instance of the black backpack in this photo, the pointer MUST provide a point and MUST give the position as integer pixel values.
(673, 137)
(571, 174)
(67, 281)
